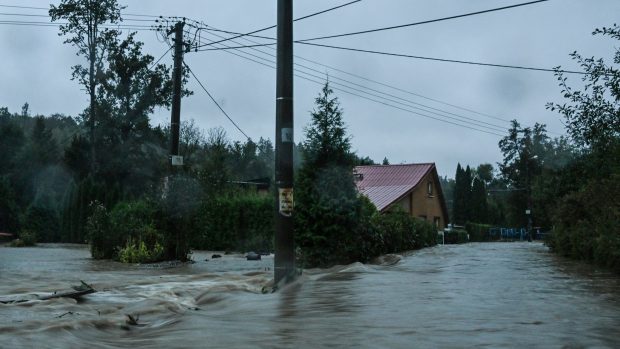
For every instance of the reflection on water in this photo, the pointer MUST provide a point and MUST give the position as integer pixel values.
(494, 295)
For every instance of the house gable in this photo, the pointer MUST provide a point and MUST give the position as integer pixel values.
(407, 187)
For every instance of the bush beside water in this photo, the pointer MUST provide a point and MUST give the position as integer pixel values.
(241, 222)
(587, 224)
(127, 233)
(478, 232)
(27, 238)
(455, 236)
(131, 232)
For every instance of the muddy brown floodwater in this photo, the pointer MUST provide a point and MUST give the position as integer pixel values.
(496, 295)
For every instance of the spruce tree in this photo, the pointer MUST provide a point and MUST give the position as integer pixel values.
(457, 204)
(467, 197)
(328, 207)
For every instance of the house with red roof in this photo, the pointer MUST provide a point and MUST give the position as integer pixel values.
(414, 188)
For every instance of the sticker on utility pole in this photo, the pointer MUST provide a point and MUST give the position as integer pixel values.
(176, 160)
(286, 201)
(287, 135)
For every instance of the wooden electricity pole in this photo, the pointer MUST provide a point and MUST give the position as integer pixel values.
(177, 81)
(284, 263)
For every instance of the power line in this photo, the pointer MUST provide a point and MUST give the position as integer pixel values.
(295, 20)
(235, 47)
(393, 98)
(140, 15)
(382, 84)
(239, 35)
(47, 9)
(48, 16)
(47, 24)
(324, 11)
(160, 58)
(214, 101)
(25, 7)
(365, 79)
(442, 59)
(425, 22)
(400, 89)
(445, 60)
(22, 15)
(346, 90)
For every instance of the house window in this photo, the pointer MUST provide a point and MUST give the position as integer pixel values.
(436, 221)
(422, 217)
(430, 188)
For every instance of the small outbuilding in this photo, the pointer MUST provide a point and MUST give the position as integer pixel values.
(415, 188)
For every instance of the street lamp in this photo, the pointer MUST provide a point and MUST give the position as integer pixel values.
(528, 211)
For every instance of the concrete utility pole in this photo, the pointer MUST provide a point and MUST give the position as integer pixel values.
(177, 81)
(284, 268)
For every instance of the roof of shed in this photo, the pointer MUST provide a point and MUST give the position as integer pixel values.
(384, 184)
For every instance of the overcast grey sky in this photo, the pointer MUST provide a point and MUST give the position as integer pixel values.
(36, 69)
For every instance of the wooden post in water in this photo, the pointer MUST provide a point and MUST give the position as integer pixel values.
(284, 268)
(177, 81)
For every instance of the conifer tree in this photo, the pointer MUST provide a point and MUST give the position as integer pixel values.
(328, 207)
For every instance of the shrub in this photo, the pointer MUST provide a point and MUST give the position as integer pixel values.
(397, 229)
(455, 236)
(98, 233)
(241, 222)
(426, 233)
(140, 253)
(478, 232)
(327, 216)
(368, 241)
(127, 233)
(586, 225)
(26, 238)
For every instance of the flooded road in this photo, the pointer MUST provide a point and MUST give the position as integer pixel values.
(483, 295)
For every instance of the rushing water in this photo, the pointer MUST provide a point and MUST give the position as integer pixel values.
(484, 295)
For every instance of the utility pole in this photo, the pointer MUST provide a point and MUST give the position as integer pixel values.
(175, 115)
(528, 211)
(284, 268)
(177, 80)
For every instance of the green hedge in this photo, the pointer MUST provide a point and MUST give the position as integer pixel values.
(478, 232)
(400, 231)
(376, 234)
(240, 222)
(455, 236)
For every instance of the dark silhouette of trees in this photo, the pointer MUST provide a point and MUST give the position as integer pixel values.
(84, 22)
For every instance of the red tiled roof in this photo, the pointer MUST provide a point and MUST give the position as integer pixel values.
(384, 184)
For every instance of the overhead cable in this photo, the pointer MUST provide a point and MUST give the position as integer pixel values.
(363, 78)
(442, 59)
(376, 99)
(424, 22)
(214, 101)
(390, 97)
(295, 20)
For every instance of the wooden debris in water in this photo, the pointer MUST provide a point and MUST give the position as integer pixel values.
(75, 293)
